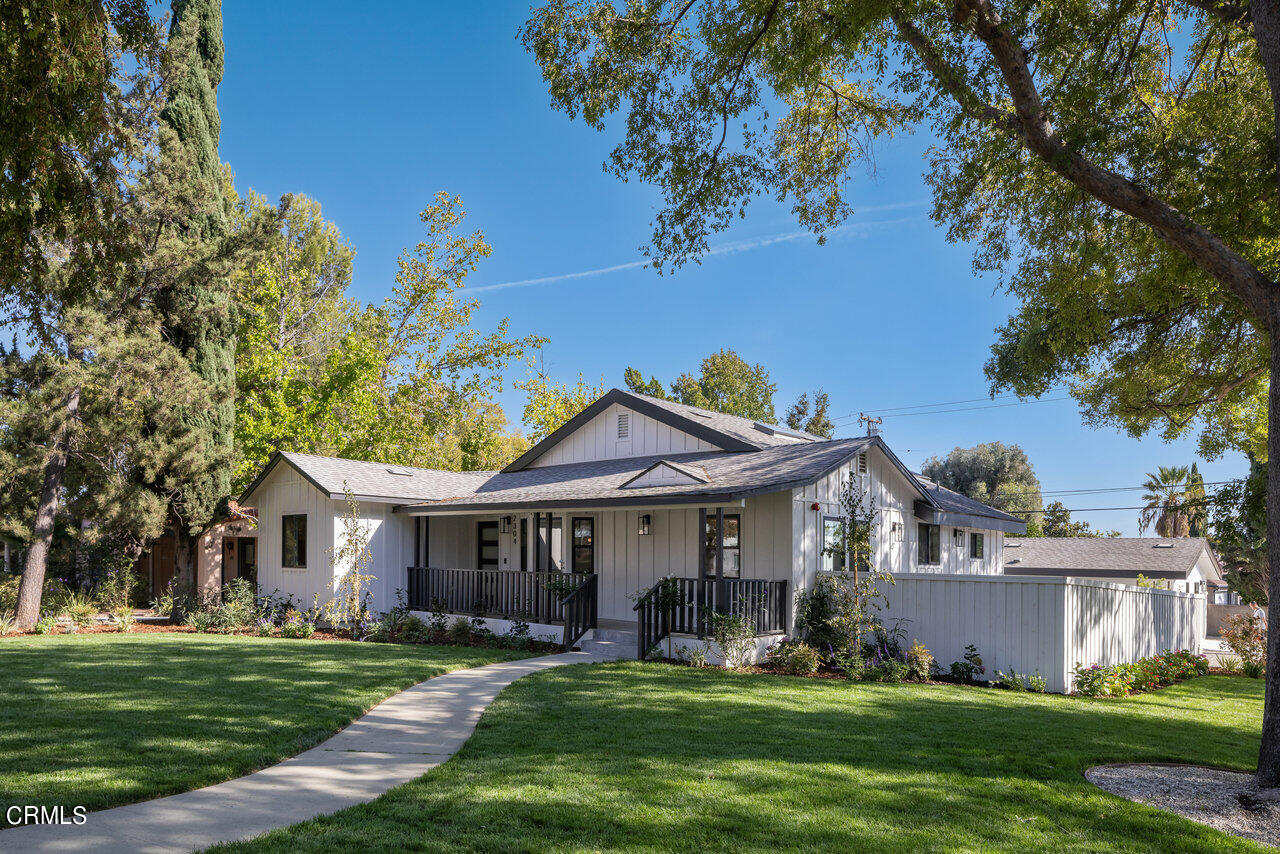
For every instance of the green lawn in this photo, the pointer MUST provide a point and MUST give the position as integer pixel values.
(662, 758)
(101, 720)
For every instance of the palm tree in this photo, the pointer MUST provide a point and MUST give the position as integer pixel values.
(1174, 502)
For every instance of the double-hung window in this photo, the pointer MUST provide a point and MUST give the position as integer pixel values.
(293, 529)
(929, 545)
(732, 545)
(976, 546)
(834, 558)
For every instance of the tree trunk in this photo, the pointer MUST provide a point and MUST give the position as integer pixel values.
(31, 587)
(1268, 774)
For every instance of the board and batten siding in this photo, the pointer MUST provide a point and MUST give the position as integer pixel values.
(598, 440)
(390, 538)
(1041, 624)
(286, 492)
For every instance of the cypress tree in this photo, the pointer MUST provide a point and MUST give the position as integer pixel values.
(199, 313)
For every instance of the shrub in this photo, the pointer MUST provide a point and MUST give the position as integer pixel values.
(459, 631)
(794, 657)
(413, 630)
(696, 656)
(826, 614)
(1253, 669)
(6, 624)
(735, 636)
(1010, 680)
(203, 621)
(1037, 683)
(1247, 637)
(969, 666)
(45, 625)
(80, 609)
(890, 670)
(298, 625)
(851, 662)
(919, 662)
(123, 618)
(117, 588)
(264, 627)
(1230, 664)
(438, 616)
(1147, 674)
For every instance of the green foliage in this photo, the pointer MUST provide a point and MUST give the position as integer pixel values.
(6, 624)
(1012, 680)
(1057, 522)
(297, 625)
(994, 473)
(794, 657)
(1238, 525)
(735, 637)
(79, 608)
(827, 615)
(818, 422)
(1246, 636)
(550, 404)
(1175, 502)
(123, 618)
(459, 631)
(969, 667)
(45, 626)
(409, 380)
(1253, 669)
(726, 384)
(1036, 683)
(919, 662)
(1230, 664)
(1146, 674)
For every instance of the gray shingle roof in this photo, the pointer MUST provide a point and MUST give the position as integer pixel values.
(601, 481)
(1153, 556)
(376, 480)
(732, 425)
(956, 502)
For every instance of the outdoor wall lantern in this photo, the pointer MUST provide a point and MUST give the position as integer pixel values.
(506, 524)
(645, 521)
(897, 532)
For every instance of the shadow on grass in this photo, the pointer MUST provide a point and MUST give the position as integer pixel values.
(101, 720)
(665, 758)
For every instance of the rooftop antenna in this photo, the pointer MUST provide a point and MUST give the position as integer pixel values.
(873, 424)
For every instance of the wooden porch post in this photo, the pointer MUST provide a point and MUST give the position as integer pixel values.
(537, 542)
(722, 604)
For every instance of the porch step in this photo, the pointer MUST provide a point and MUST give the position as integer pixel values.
(613, 635)
(608, 648)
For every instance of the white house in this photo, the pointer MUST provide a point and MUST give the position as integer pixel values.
(631, 490)
(1179, 563)
(573, 536)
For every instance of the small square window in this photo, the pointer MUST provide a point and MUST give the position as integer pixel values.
(293, 531)
(976, 545)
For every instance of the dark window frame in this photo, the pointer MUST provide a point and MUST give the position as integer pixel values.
(977, 545)
(709, 539)
(928, 544)
(299, 540)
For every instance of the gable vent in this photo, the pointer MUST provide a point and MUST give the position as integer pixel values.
(624, 425)
(862, 463)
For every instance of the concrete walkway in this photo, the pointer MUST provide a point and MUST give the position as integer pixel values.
(398, 740)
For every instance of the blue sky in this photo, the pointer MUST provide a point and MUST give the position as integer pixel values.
(373, 112)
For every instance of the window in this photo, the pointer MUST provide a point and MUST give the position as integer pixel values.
(294, 541)
(732, 545)
(930, 544)
(832, 536)
(584, 544)
(976, 546)
(624, 425)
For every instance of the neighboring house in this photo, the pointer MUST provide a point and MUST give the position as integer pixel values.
(226, 551)
(1180, 563)
(629, 491)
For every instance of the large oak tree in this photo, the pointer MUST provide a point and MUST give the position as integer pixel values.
(1115, 162)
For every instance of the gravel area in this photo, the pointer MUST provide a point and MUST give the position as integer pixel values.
(1206, 795)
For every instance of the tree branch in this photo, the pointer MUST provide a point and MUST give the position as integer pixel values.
(1229, 13)
(1205, 249)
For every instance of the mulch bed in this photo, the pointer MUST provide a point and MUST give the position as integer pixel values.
(1206, 795)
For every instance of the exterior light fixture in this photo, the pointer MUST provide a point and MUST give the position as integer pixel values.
(897, 532)
(506, 524)
(645, 522)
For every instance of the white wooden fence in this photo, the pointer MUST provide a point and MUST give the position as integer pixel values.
(1045, 624)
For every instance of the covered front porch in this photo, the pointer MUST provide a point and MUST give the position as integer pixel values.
(594, 568)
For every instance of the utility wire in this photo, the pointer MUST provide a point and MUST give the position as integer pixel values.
(924, 406)
(975, 408)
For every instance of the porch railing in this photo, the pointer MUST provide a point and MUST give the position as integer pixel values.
(579, 611)
(762, 602)
(538, 597)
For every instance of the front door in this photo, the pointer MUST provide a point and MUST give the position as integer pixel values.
(487, 540)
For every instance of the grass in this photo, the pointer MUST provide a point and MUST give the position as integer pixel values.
(663, 758)
(100, 720)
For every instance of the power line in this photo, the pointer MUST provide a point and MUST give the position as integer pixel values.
(976, 408)
(1101, 490)
(925, 406)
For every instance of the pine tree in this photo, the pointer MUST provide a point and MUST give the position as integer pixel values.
(199, 314)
